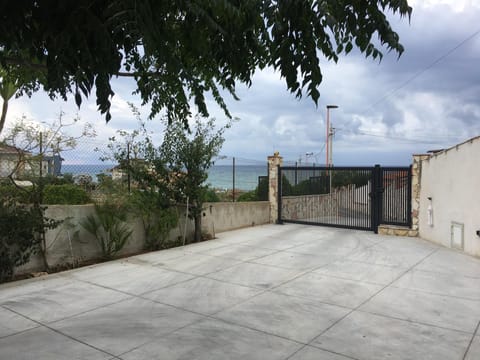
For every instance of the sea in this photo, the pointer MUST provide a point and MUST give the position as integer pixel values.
(219, 176)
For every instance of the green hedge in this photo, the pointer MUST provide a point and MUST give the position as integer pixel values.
(66, 194)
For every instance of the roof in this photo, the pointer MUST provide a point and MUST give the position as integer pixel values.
(8, 149)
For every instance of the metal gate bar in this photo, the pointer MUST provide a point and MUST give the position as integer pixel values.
(326, 196)
(346, 197)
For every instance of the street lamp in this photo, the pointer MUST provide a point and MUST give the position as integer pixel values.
(328, 158)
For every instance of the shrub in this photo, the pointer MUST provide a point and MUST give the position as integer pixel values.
(248, 196)
(210, 195)
(66, 194)
(19, 227)
(10, 191)
(58, 180)
(109, 228)
(157, 215)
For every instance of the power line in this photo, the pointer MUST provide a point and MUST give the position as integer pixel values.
(402, 139)
(425, 69)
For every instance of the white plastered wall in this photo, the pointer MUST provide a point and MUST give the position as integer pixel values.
(451, 179)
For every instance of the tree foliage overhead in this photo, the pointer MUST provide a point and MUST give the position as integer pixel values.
(184, 49)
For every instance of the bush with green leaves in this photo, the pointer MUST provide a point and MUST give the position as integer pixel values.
(58, 180)
(10, 191)
(157, 215)
(22, 230)
(109, 227)
(210, 195)
(18, 240)
(66, 194)
(248, 196)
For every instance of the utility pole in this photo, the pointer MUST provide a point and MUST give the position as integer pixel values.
(328, 146)
(328, 160)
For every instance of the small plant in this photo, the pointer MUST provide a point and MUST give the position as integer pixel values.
(109, 228)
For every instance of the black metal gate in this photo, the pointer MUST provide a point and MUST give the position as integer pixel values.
(347, 197)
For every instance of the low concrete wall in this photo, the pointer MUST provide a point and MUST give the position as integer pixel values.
(224, 216)
(70, 243)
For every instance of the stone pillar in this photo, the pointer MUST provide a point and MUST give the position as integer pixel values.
(416, 187)
(273, 163)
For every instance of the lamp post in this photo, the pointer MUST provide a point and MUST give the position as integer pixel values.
(328, 158)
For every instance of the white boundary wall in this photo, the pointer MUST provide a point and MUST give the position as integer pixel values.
(451, 178)
(70, 243)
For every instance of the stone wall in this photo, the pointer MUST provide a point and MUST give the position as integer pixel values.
(416, 188)
(344, 201)
(273, 163)
(309, 207)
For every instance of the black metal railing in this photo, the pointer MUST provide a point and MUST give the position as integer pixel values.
(347, 197)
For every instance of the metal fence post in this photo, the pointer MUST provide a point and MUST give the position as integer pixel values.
(409, 197)
(377, 190)
(279, 194)
(233, 175)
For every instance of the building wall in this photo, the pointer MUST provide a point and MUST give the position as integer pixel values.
(451, 179)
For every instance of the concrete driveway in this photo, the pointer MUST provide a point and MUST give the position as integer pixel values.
(268, 292)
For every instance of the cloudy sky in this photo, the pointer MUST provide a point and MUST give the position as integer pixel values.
(427, 99)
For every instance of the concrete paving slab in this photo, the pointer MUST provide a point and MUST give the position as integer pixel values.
(124, 326)
(12, 323)
(140, 279)
(384, 257)
(215, 340)
(198, 264)
(239, 252)
(371, 337)
(330, 290)
(292, 260)
(155, 257)
(18, 288)
(449, 261)
(267, 302)
(98, 270)
(364, 272)
(255, 275)
(474, 351)
(442, 284)
(324, 247)
(405, 245)
(207, 245)
(275, 314)
(437, 310)
(312, 353)
(45, 344)
(202, 295)
(53, 304)
(275, 243)
(264, 231)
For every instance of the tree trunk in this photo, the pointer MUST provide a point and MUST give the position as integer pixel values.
(198, 228)
(4, 114)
